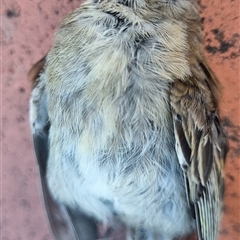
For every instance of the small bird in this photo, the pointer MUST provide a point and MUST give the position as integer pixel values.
(124, 117)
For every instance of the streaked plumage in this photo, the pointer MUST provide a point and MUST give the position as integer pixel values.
(128, 107)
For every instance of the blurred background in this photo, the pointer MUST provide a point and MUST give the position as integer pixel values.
(27, 29)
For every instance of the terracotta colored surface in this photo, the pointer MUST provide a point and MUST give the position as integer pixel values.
(27, 28)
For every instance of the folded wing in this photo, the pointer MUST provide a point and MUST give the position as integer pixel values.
(201, 149)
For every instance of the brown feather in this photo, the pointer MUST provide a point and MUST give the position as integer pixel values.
(194, 101)
(36, 70)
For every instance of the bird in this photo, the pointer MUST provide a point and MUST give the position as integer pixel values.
(124, 115)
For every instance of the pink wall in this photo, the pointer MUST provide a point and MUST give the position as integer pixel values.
(26, 31)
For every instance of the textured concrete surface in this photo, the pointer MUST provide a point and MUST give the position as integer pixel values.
(27, 28)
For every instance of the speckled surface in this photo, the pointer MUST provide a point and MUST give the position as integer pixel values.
(27, 28)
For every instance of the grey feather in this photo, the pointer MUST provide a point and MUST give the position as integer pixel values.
(66, 224)
(134, 136)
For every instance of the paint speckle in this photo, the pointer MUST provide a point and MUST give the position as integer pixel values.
(31, 234)
(234, 55)
(223, 45)
(233, 135)
(234, 195)
(11, 52)
(20, 119)
(226, 122)
(229, 176)
(25, 204)
(212, 50)
(236, 227)
(224, 231)
(22, 90)
(11, 13)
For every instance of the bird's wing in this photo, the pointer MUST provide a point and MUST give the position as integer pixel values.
(201, 148)
(66, 223)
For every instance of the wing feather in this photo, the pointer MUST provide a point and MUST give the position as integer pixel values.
(201, 149)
